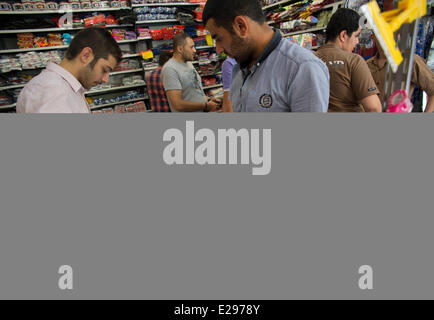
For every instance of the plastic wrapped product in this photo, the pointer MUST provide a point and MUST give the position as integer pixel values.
(86, 5)
(108, 110)
(4, 6)
(51, 6)
(120, 109)
(141, 107)
(105, 4)
(131, 108)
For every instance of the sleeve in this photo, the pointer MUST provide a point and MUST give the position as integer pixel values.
(227, 75)
(171, 79)
(362, 82)
(422, 76)
(309, 90)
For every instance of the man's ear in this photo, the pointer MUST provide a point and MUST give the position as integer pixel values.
(343, 35)
(86, 56)
(241, 26)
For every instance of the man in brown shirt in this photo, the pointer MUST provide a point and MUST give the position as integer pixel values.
(352, 88)
(421, 76)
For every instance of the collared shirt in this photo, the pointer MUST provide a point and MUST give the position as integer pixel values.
(54, 90)
(285, 78)
(350, 79)
(156, 92)
(422, 75)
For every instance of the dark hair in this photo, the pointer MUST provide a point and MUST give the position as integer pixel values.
(165, 56)
(179, 40)
(99, 40)
(224, 12)
(342, 19)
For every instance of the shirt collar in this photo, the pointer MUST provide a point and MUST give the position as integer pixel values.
(73, 82)
(277, 37)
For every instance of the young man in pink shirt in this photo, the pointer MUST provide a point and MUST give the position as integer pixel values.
(91, 56)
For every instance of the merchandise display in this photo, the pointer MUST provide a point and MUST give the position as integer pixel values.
(32, 34)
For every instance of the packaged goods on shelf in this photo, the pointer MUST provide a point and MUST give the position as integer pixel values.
(10, 64)
(25, 40)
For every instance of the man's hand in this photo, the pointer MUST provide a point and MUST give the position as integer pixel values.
(214, 105)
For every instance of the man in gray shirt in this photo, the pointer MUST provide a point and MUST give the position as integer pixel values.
(272, 74)
(181, 81)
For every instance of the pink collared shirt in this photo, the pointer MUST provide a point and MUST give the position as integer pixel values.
(54, 90)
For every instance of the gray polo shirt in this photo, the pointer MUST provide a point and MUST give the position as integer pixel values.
(286, 78)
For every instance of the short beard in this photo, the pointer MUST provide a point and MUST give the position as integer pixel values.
(84, 76)
(242, 50)
(186, 58)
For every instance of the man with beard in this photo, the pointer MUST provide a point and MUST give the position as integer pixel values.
(272, 74)
(181, 81)
(91, 56)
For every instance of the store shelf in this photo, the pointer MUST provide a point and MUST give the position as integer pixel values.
(130, 55)
(335, 4)
(17, 86)
(124, 72)
(205, 47)
(127, 41)
(275, 5)
(94, 92)
(32, 49)
(213, 87)
(150, 69)
(304, 31)
(210, 74)
(9, 106)
(176, 4)
(157, 21)
(61, 11)
(58, 29)
(95, 107)
(331, 5)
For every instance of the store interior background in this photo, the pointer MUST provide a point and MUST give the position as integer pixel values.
(31, 35)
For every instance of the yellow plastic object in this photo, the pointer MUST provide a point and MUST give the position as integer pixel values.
(386, 23)
(147, 54)
(209, 40)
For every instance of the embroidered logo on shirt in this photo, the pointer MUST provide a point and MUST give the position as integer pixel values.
(266, 101)
(372, 89)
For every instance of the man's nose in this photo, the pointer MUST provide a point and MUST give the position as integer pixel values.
(106, 78)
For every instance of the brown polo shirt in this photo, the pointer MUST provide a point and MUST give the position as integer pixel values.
(422, 76)
(350, 79)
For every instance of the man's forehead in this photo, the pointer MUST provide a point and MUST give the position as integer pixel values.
(109, 62)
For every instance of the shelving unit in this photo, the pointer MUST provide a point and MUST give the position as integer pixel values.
(61, 11)
(58, 29)
(126, 71)
(213, 87)
(334, 6)
(96, 107)
(132, 48)
(168, 4)
(118, 88)
(276, 5)
(10, 106)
